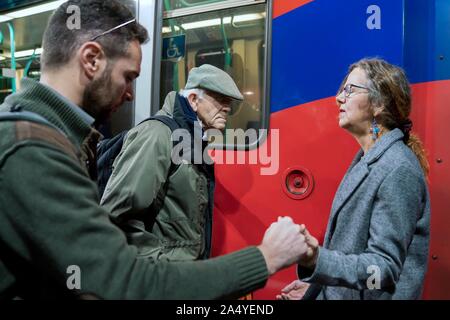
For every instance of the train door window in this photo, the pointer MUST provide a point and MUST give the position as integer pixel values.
(179, 4)
(231, 36)
(26, 33)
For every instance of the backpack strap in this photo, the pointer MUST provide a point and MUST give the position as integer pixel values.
(158, 202)
(173, 125)
(27, 130)
(107, 151)
(19, 115)
(32, 126)
(168, 121)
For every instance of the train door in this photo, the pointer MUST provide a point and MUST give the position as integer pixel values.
(233, 36)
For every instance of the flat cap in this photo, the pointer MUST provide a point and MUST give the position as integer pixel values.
(211, 78)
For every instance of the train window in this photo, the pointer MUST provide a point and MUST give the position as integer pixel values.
(26, 33)
(179, 4)
(232, 39)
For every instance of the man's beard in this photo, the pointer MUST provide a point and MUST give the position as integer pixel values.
(98, 97)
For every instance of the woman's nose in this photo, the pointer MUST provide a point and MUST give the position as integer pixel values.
(340, 98)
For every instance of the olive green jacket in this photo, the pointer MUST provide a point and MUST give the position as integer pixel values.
(52, 229)
(169, 220)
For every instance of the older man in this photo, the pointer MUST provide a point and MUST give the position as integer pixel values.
(167, 208)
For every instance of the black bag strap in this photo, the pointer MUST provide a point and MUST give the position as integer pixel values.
(158, 202)
(168, 121)
(108, 149)
(173, 125)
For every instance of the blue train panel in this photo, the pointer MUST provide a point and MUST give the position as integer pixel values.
(442, 57)
(313, 45)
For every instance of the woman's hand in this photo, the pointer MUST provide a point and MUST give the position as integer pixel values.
(294, 291)
(310, 259)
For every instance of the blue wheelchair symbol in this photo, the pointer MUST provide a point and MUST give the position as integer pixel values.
(174, 47)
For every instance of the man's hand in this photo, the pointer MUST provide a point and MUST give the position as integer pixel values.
(293, 291)
(283, 245)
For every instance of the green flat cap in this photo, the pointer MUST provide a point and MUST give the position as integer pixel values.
(211, 78)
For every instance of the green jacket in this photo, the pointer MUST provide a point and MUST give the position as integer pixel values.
(50, 220)
(169, 220)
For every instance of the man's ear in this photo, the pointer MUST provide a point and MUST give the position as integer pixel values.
(193, 101)
(92, 58)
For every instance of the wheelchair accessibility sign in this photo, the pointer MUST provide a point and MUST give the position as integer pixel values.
(174, 47)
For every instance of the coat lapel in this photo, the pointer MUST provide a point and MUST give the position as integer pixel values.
(358, 171)
(354, 177)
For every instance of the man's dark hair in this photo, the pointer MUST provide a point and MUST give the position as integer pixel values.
(97, 16)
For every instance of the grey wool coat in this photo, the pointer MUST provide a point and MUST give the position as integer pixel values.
(377, 240)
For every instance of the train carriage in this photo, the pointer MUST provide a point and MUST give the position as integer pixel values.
(288, 58)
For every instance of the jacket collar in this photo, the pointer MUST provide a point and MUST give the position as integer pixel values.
(173, 107)
(83, 114)
(380, 147)
(178, 107)
(183, 104)
(352, 179)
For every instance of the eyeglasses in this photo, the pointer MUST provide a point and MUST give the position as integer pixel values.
(221, 99)
(113, 29)
(348, 89)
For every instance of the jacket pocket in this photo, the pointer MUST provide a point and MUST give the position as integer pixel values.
(148, 244)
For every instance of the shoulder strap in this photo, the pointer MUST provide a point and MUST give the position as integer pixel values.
(30, 125)
(27, 130)
(158, 202)
(168, 121)
(23, 116)
(173, 125)
(17, 113)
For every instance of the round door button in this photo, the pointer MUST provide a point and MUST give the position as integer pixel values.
(298, 182)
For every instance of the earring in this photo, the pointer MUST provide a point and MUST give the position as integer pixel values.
(374, 130)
